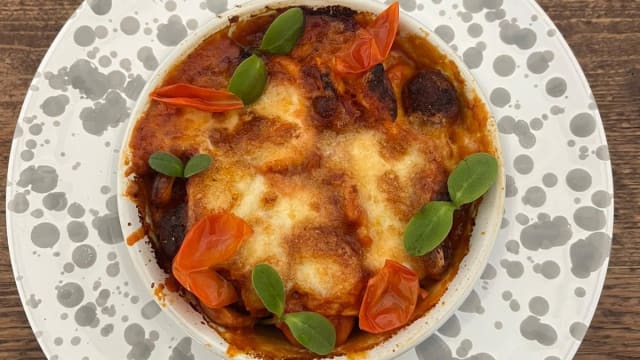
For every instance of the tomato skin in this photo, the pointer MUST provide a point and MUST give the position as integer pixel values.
(209, 287)
(390, 299)
(372, 44)
(204, 99)
(210, 242)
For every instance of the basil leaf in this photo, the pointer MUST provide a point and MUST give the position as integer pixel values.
(472, 178)
(269, 287)
(283, 34)
(314, 331)
(428, 228)
(196, 165)
(166, 163)
(249, 79)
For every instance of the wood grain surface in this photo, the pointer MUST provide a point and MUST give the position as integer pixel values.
(605, 36)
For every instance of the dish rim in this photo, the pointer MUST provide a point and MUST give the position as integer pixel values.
(489, 214)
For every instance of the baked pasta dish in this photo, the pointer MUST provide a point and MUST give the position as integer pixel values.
(292, 173)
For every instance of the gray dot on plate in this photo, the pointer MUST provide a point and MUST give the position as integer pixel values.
(150, 310)
(523, 164)
(130, 25)
(101, 32)
(512, 246)
(601, 199)
(475, 30)
(192, 24)
(511, 188)
(589, 254)
(77, 231)
(446, 33)
(106, 330)
(500, 97)
(504, 65)
(170, 5)
(84, 256)
(19, 204)
(45, 235)
(55, 201)
(579, 180)
(550, 269)
(602, 153)
(538, 62)
(556, 87)
(578, 330)
(113, 269)
(535, 196)
(539, 306)
(172, 32)
(70, 294)
(514, 269)
(86, 315)
(522, 219)
(549, 180)
(590, 218)
(546, 233)
(84, 36)
(75, 341)
(532, 328)
(536, 124)
(583, 125)
(54, 106)
(473, 57)
(514, 305)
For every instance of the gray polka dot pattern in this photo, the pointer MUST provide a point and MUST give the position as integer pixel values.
(556, 226)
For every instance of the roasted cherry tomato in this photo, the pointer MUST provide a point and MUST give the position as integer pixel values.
(185, 95)
(390, 299)
(372, 44)
(212, 241)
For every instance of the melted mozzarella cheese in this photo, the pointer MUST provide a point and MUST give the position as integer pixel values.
(358, 155)
(271, 224)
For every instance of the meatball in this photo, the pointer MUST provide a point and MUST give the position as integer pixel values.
(431, 98)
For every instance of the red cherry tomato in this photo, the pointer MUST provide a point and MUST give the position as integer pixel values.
(390, 299)
(211, 241)
(372, 44)
(210, 100)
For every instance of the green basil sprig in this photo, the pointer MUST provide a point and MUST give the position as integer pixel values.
(170, 165)
(283, 34)
(250, 77)
(471, 179)
(312, 330)
(269, 288)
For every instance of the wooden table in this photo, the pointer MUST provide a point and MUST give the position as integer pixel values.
(605, 36)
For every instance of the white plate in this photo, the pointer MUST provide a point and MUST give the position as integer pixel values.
(536, 297)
